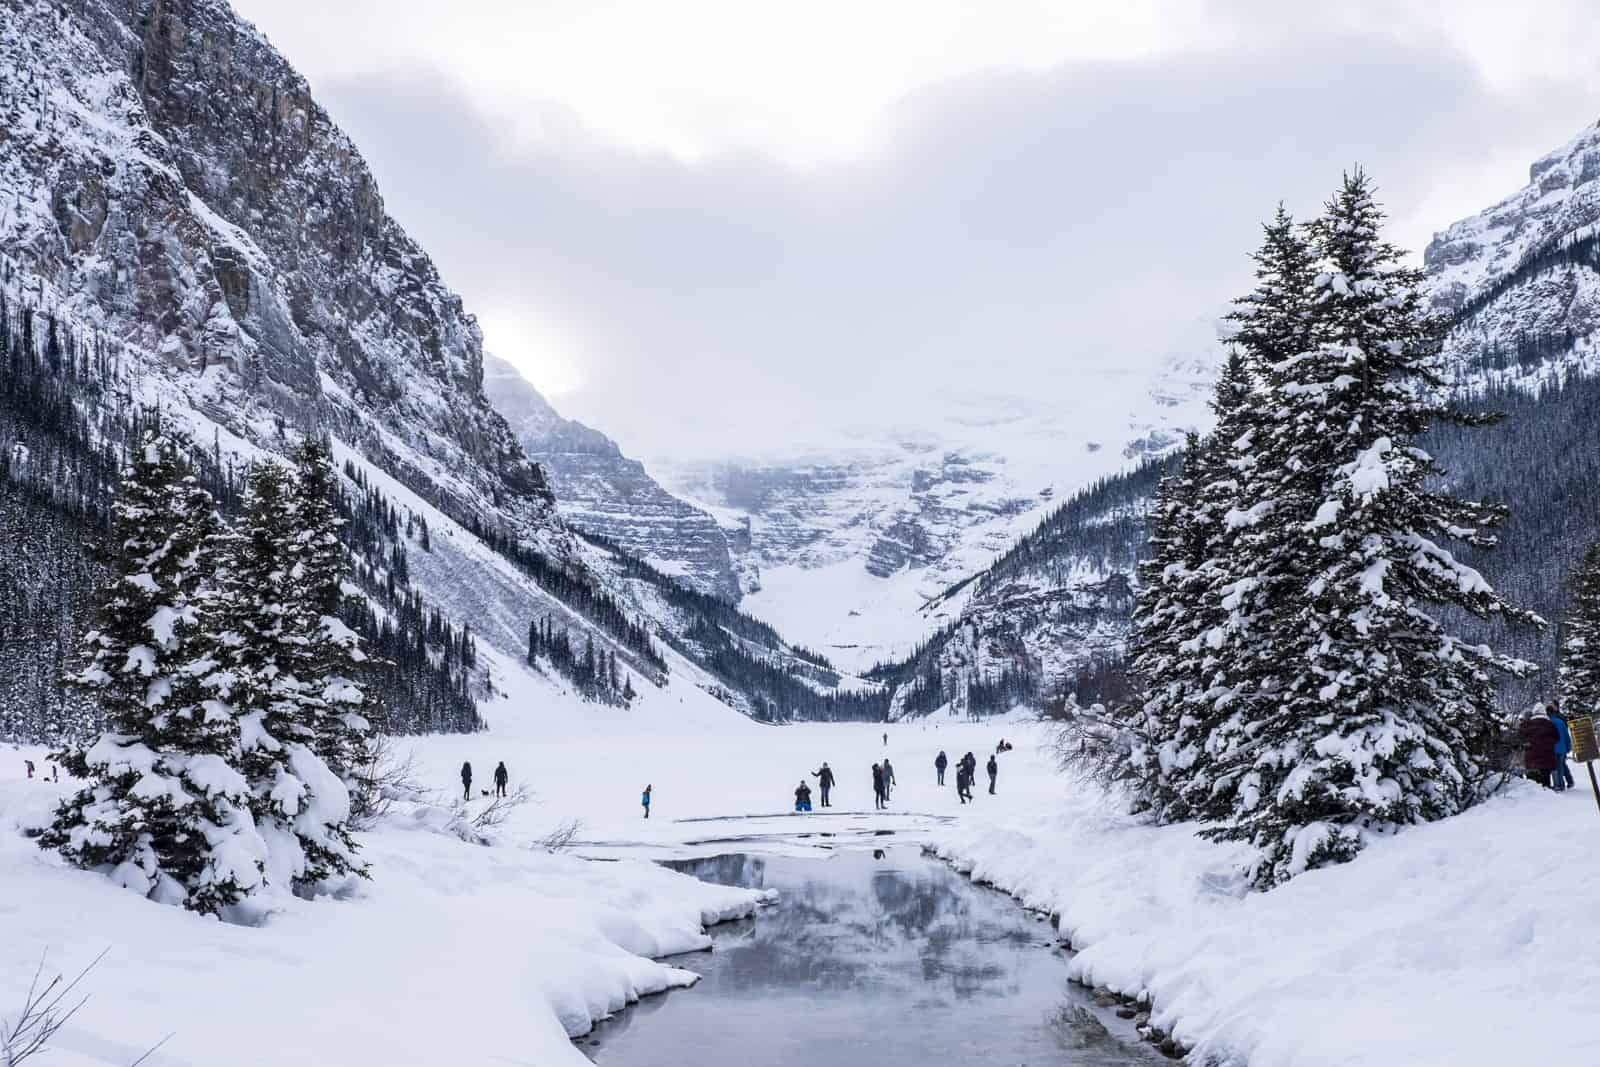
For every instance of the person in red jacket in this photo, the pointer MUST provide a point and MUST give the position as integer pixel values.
(1539, 739)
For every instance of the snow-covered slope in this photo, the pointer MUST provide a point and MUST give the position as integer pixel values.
(843, 546)
(170, 192)
(604, 493)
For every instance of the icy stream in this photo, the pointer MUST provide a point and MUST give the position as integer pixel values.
(874, 957)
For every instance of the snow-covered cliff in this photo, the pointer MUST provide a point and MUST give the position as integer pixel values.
(604, 493)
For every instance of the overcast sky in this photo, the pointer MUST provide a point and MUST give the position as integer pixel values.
(729, 226)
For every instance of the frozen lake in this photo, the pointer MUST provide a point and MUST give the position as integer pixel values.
(872, 958)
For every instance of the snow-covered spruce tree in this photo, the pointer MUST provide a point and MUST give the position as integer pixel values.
(166, 813)
(331, 659)
(1366, 714)
(1271, 325)
(329, 664)
(1215, 648)
(1580, 642)
(301, 806)
(1141, 756)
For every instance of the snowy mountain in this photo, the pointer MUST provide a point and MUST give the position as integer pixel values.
(605, 494)
(843, 546)
(1524, 275)
(184, 228)
(1521, 282)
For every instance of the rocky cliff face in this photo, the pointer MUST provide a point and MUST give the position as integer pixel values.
(169, 174)
(1524, 275)
(602, 492)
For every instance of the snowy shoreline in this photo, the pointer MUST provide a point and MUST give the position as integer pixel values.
(1457, 943)
(500, 953)
(1439, 946)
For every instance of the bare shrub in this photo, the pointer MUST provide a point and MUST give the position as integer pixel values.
(478, 827)
(561, 838)
(387, 776)
(1090, 744)
(45, 1011)
(498, 810)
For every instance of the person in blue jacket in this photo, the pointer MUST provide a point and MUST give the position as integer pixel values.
(1561, 777)
(645, 800)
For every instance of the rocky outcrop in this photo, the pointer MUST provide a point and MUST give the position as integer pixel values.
(1523, 277)
(602, 492)
(203, 207)
(1559, 204)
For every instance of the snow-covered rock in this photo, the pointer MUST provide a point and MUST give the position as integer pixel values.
(604, 493)
(169, 173)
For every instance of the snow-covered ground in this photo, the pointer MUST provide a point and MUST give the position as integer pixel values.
(1459, 943)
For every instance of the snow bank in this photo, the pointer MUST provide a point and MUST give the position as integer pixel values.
(1456, 943)
(452, 953)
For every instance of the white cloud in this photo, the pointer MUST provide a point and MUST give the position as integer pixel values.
(719, 220)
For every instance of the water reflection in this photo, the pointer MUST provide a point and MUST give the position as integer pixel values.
(873, 958)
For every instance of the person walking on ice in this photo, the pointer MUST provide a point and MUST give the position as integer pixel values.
(466, 781)
(645, 800)
(888, 778)
(500, 779)
(993, 769)
(877, 787)
(824, 779)
(940, 763)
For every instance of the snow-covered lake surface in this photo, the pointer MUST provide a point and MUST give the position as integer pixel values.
(876, 957)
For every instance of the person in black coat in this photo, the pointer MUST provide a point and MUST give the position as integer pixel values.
(993, 769)
(466, 781)
(877, 786)
(501, 777)
(802, 797)
(824, 779)
(963, 783)
(940, 763)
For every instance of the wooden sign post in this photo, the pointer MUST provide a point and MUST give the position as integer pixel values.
(1585, 747)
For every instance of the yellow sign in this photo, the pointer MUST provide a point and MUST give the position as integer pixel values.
(1585, 747)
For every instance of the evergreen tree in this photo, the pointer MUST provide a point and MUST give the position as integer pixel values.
(331, 659)
(302, 807)
(1364, 712)
(1170, 586)
(1580, 646)
(166, 813)
(1237, 508)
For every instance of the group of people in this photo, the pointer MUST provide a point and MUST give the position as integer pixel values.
(501, 777)
(54, 776)
(825, 779)
(883, 780)
(1546, 743)
(967, 771)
